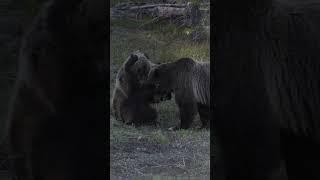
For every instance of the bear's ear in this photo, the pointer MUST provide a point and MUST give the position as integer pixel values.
(131, 60)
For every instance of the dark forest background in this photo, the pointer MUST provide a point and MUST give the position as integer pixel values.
(15, 17)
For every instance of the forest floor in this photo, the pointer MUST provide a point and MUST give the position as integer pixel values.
(150, 151)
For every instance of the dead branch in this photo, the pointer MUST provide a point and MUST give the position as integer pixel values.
(190, 13)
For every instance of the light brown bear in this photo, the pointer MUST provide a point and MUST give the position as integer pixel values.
(189, 80)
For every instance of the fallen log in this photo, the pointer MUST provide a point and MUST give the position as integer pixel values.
(190, 13)
(158, 5)
(168, 12)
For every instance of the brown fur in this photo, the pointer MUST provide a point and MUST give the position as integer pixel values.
(190, 82)
(131, 99)
(58, 99)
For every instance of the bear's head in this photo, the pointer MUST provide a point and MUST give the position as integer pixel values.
(165, 76)
(134, 71)
(133, 77)
(138, 66)
(161, 79)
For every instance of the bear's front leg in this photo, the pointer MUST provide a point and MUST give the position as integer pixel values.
(187, 113)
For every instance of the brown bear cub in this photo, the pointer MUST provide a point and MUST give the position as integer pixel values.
(189, 80)
(132, 98)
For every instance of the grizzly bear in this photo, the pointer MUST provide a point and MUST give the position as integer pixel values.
(189, 80)
(132, 97)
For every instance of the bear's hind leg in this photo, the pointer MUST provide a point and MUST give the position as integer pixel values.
(204, 113)
(127, 112)
(145, 115)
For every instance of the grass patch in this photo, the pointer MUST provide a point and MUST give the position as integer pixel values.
(162, 43)
(160, 137)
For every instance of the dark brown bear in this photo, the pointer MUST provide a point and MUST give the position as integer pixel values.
(132, 97)
(189, 80)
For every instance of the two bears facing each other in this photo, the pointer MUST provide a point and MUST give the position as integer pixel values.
(140, 82)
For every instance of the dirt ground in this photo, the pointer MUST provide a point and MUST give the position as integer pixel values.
(149, 151)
